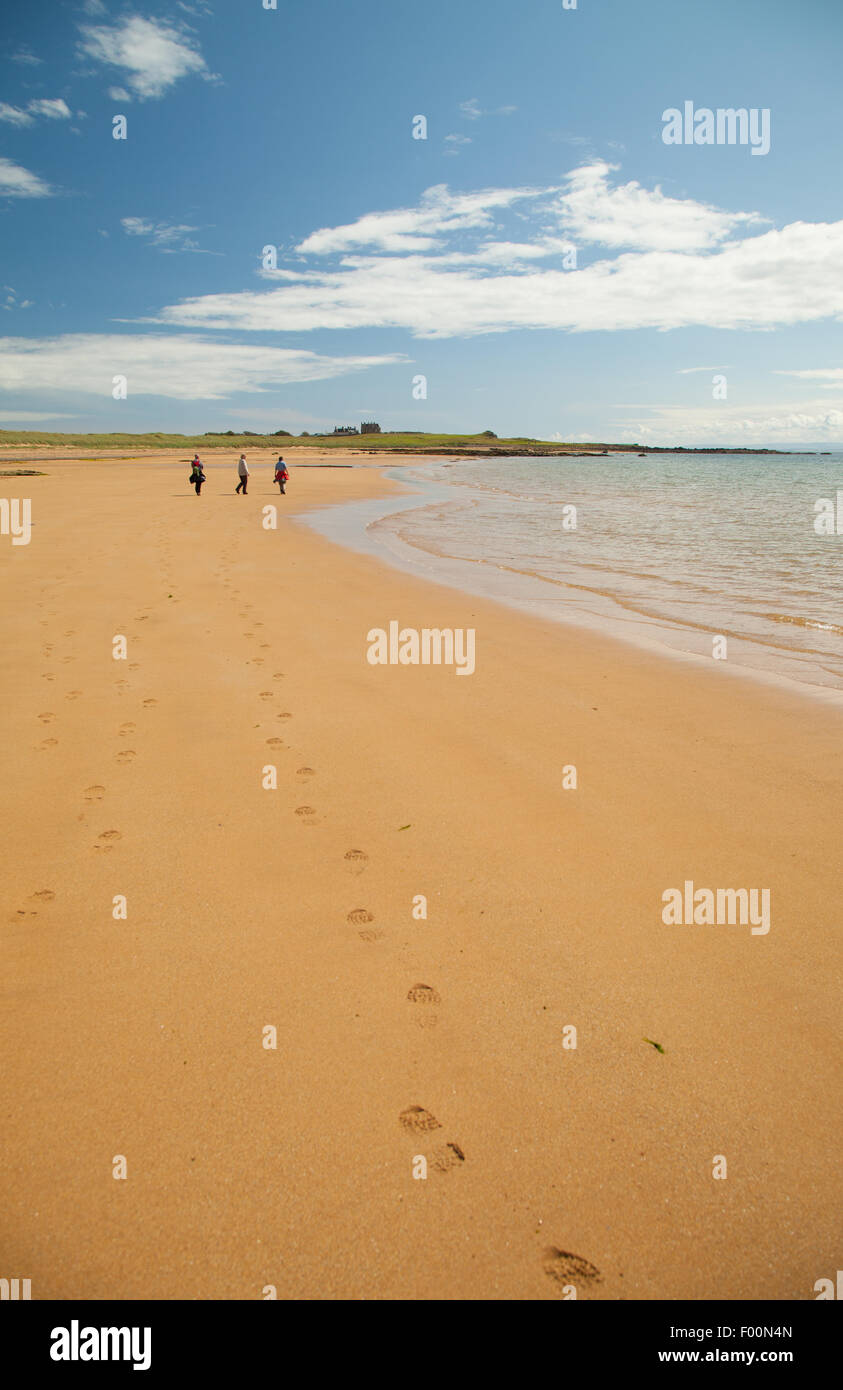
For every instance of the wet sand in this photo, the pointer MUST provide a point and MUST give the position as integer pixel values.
(398, 1037)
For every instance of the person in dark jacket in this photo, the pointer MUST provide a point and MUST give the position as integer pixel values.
(197, 475)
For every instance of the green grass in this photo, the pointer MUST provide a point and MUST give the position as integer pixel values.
(406, 443)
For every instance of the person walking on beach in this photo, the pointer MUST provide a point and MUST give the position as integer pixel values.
(243, 475)
(281, 474)
(197, 475)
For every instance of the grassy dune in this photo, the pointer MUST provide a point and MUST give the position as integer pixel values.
(406, 443)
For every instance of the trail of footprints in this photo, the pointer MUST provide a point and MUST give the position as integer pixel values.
(35, 900)
(562, 1267)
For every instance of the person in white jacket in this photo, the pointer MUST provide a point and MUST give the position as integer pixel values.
(243, 475)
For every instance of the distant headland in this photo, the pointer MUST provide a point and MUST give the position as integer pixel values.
(485, 444)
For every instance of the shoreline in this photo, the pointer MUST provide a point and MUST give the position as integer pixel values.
(292, 908)
(355, 525)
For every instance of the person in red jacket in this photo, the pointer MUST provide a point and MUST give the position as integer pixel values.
(281, 474)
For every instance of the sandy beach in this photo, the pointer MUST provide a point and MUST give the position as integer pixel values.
(398, 1036)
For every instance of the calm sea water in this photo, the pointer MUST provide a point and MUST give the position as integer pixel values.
(668, 549)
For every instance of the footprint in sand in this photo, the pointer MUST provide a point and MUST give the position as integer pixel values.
(425, 996)
(565, 1268)
(307, 814)
(255, 661)
(127, 728)
(48, 743)
(44, 895)
(285, 715)
(356, 860)
(418, 1120)
(149, 703)
(264, 646)
(121, 684)
(134, 665)
(359, 917)
(47, 676)
(126, 756)
(449, 1156)
(278, 675)
(73, 694)
(276, 743)
(65, 659)
(107, 839)
(305, 772)
(371, 934)
(47, 717)
(265, 695)
(94, 793)
(71, 632)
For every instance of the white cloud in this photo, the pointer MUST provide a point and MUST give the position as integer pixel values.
(422, 228)
(13, 417)
(184, 368)
(453, 144)
(163, 236)
(786, 277)
(26, 59)
(829, 377)
(118, 94)
(51, 108)
(405, 271)
(13, 302)
(687, 371)
(17, 182)
(473, 111)
(152, 54)
(749, 426)
(14, 115)
(628, 215)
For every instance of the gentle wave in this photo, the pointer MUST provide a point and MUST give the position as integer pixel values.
(694, 544)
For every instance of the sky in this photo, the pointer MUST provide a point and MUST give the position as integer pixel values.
(274, 246)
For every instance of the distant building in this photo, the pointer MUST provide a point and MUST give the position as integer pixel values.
(370, 427)
(345, 429)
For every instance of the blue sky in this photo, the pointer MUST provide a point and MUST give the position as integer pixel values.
(447, 257)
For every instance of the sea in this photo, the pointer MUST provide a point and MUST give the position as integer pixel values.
(668, 551)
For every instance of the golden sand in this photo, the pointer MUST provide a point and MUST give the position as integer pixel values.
(398, 1037)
